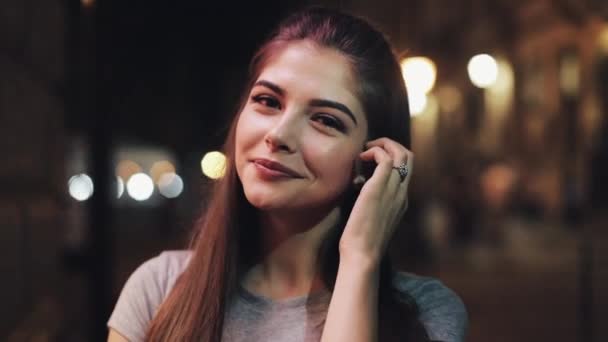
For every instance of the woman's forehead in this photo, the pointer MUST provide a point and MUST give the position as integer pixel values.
(312, 71)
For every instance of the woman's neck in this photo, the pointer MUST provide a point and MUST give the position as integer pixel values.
(290, 248)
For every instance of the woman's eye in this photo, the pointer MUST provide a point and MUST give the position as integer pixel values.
(267, 101)
(330, 121)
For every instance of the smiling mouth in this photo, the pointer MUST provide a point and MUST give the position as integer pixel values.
(269, 168)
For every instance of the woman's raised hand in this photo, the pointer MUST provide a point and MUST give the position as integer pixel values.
(381, 203)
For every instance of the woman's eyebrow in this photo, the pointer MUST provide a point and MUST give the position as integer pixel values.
(271, 86)
(335, 105)
(314, 102)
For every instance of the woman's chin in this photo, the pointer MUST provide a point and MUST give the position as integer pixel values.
(265, 203)
(278, 204)
(265, 206)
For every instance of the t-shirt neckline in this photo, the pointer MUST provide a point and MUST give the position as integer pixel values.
(258, 300)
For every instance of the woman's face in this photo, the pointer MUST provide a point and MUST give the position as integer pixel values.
(303, 113)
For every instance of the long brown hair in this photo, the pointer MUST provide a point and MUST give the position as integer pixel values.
(224, 242)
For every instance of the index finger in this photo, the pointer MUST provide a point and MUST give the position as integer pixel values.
(399, 154)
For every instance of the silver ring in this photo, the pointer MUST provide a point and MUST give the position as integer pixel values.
(403, 170)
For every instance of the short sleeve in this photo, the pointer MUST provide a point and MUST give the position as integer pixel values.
(137, 303)
(442, 312)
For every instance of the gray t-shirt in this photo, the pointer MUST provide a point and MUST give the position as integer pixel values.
(251, 317)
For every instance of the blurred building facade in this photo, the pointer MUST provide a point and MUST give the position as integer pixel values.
(32, 144)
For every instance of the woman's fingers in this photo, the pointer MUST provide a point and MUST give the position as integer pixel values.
(403, 196)
(383, 198)
(383, 160)
(399, 155)
(397, 151)
(410, 168)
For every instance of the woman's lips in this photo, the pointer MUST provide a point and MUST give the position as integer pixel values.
(271, 169)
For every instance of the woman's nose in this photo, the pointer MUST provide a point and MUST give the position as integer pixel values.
(283, 134)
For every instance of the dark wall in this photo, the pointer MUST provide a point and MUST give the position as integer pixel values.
(32, 85)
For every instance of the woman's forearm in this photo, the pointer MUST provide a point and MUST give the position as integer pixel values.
(353, 310)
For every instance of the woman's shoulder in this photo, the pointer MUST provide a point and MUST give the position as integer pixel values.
(144, 291)
(441, 310)
(170, 263)
(163, 269)
(420, 287)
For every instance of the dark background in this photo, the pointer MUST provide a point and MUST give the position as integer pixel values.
(509, 211)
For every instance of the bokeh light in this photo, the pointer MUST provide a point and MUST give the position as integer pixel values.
(483, 70)
(213, 164)
(603, 40)
(450, 98)
(80, 187)
(126, 168)
(569, 74)
(431, 107)
(417, 103)
(87, 3)
(120, 187)
(419, 74)
(159, 168)
(499, 96)
(170, 185)
(140, 186)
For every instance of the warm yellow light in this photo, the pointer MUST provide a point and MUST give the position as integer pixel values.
(214, 164)
(450, 98)
(569, 74)
(419, 74)
(160, 168)
(499, 96)
(603, 40)
(432, 106)
(126, 168)
(417, 103)
(483, 70)
(87, 3)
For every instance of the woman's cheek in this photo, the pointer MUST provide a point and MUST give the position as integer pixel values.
(249, 129)
(258, 125)
(335, 160)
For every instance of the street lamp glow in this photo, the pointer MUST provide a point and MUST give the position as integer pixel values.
(214, 164)
(160, 168)
(80, 187)
(483, 70)
(603, 40)
(417, 103)
(170, 185)
(120, 187)
(126, 168)
(140, 186)
(419, 74)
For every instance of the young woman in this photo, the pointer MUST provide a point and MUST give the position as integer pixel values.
(292, 246)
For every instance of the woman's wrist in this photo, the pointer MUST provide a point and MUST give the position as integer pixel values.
(352, 312)
(359, 262)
